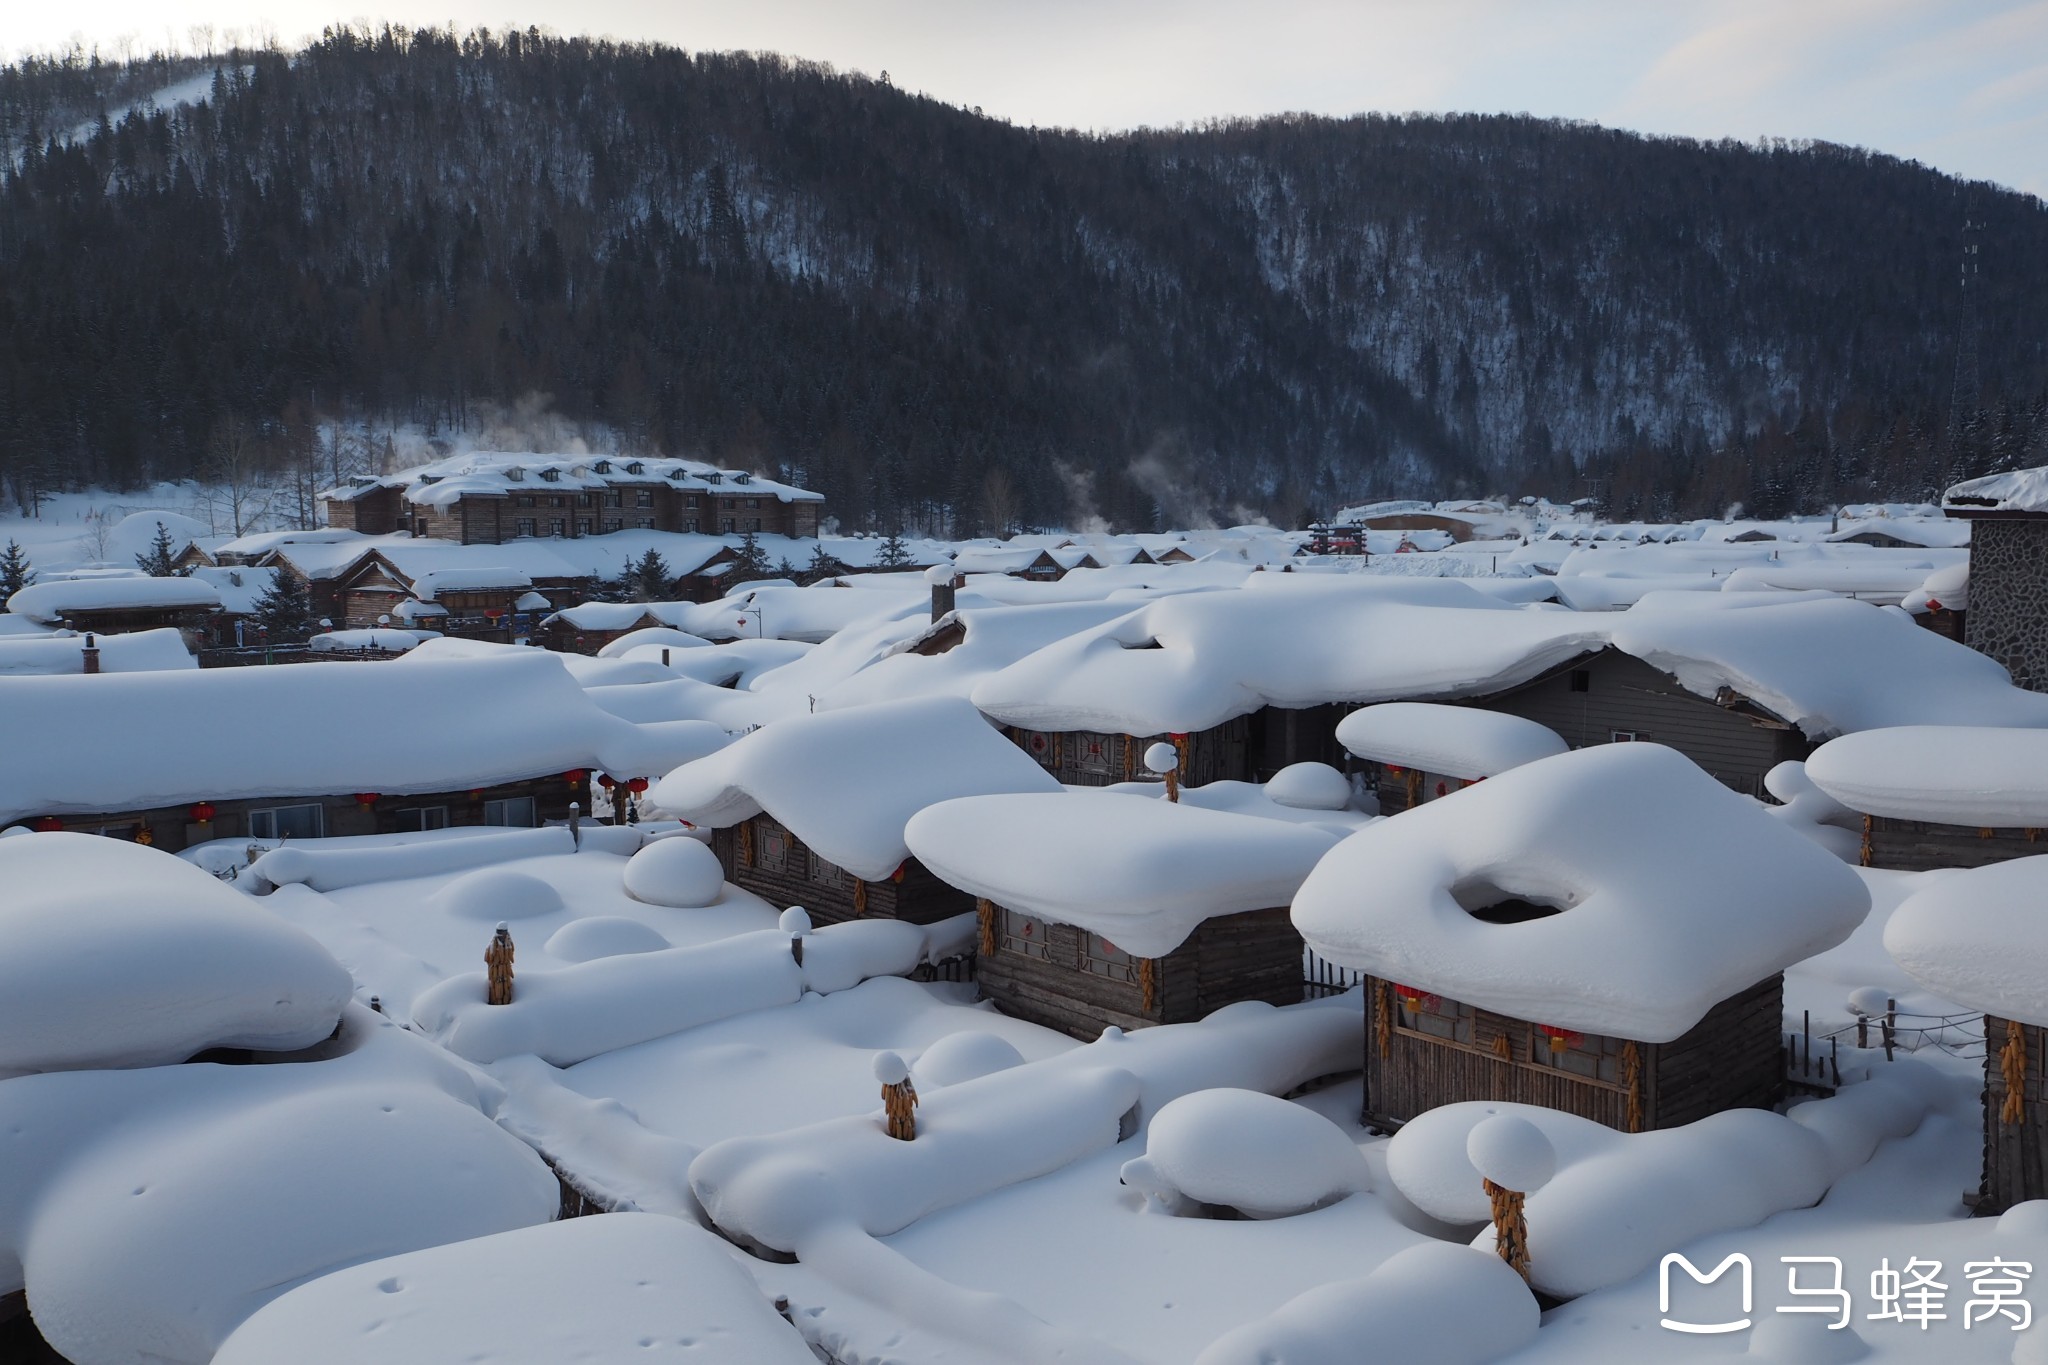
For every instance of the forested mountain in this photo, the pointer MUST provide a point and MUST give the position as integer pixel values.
(931, 315)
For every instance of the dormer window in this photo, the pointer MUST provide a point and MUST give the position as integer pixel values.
(714, 477)
(676, 473)
(430, 478)
(601, 467)
(636, 468)
(743, 477)
(551, 474)
(515, 473)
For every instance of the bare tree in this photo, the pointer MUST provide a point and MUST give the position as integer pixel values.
(999, 501)
(234, 479)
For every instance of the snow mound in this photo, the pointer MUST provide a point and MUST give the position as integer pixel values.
(1309, 786)
(795, 921)
(584, 940)
(1670, 894)
(964, 1056)
(1429, 1160)
(1813, 812)
(1802, 1339)
(1162, 758)
(640, 1284)
(1511, 1152)
(135, 534)
(1983, 776)
(1144, 874)
(680, 873)
(495, 895)
(890, 1068)
(1456, 741)
(1978, 938)
(160, 1240)
(118, 955)
(1253, 1152)
(1447, 1305)
(331, 869)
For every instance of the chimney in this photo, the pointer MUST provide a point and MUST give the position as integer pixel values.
(92, 655)
(946, 584)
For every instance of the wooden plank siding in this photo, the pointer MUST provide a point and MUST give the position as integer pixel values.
(1066, 979)
(1611, 693)
(2015, 1154)
(1918, 845)
(1093, 758)
(763, 856)
(1449, 1052)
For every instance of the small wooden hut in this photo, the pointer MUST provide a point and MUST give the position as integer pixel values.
(1102, 909)
(1602, 932)
(1941, 795)
(810, 811)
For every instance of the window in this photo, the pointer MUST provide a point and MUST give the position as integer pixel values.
(286, 822)
(691, 501)
(602, 467)
(1092, 753)
(1591, 1055)
(1023, 934)
(1623, 736)
(419, 818)
(826, 874)
(556, 501)
(523, 527)
(523, 500)
(1582, 680)
(1452, 1021)
(753, 502)
(1103, 958)
(614, 499)
(728, 523)
(583, 526)
(644, 523)
(690, 525)
(643, 498)
(556, 526)
(551, 474)
(771, 846)
(614, 524)
(512, 810)
(753, 523)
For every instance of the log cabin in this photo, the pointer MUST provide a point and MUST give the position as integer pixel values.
(1602, 932)
(1103, 909)
(1933, 796)
(811, 810)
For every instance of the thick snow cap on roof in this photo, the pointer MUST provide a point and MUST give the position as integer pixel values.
(1457, 741)
(464, 723)
(1193, 661)
(2022, 490)
(138, 651)
(847, 782)
(118, 955)
(1985, 776)
(1979, 938)
(51, 600)
(1830, 667)
(1675, 893)
(484, 577)
(1142, 873)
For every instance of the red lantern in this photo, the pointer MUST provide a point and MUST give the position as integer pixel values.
(202, 814)
(1394, 770)
(901, 868)
(49, 824)
(1560, 1038)
(605, 780)
(367, 799)
(575, 776)
(1413, 1000)
(476, 793)
(637, 785)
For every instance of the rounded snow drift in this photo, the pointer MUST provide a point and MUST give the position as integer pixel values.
(1253, 1152)
(795, 920)
(680, 873)
(494, 894)
(1804, 1339)
(963, 1056)
(1162, 758)
(1869, 1001)
(1309, 786)
(1511, 1152)
(586, 940)
(889, 1069)
(2028, 1219)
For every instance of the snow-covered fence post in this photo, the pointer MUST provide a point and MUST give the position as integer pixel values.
(899, 1097)
(498, 964)
(1891, 1026)
(796, 922)
(576, 824)
(90, 654)
(1514, 1160)
(2012, 1065)
(1164, 759)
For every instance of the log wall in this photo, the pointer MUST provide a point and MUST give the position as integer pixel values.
(829, 894)
(2015, 1154)
(1918, 845)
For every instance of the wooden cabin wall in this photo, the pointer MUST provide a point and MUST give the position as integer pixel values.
(1614, 693)
(1250, 956)
(1093, 758)
(2015, 1154)
(1282, 735)
(828, 893)
(1731, 1059)
(1918, 845)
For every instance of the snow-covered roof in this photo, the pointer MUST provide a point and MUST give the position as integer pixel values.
(397, 641)
(1830, 667)
(1196, 660)
(847, 782)
(239, 585)
(479, 578)
(1943, 590)
(192, 736)
(118, 955)
(1672, 893)
(2020, 491)
(52, 599)
(1141, 873)
(490, 473)
(989, 638)
(1981, 776)
(1979, 938)
(127, 652)
(1458, 741)
(1930, 532)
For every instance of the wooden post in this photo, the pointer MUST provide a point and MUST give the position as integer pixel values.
(619, 795)
(1891, 1020)
(576, 824)
(498, 964)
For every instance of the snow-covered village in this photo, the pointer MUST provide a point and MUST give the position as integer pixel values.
(695, 706)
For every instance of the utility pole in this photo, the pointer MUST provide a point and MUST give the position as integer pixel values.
(1963, 390)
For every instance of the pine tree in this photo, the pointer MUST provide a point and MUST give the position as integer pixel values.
(160, 559)
(752, 560)
(824, 564)
(894, 554)
(285, 609)
(646, 579)
(15, 572)
(785, 569)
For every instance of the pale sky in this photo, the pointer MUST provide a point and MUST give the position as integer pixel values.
(1959, 84)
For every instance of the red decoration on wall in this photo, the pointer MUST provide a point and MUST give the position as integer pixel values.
(202, 814)
(1560, 1038)
(367, 799)
(575, 776)
(49, 824)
